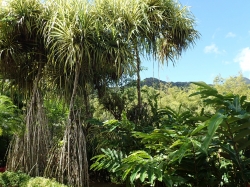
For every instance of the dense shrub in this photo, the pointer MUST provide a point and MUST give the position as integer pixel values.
(19, 179)
(12, 179)
(43, 182)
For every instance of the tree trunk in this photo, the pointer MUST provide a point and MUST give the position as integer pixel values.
(138, 63)
(28, 153)
(73, 164)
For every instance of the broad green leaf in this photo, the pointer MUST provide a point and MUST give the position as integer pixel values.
(240, 126)
(213, 123)
(236, 102)
(177, 142)
(243, 146)
(229, 150)
(126, 172)
(180, 153)
(232, 119)
(158, 173)
(167, 180)
(241, 134)
(243, 116)
(143, 173)
(151, 175)
(198, 128)
(196, 143)
(204, 85)
(134, 173)
(242, 99)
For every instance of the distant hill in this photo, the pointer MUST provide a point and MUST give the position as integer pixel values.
(154, 82)
(246, 80)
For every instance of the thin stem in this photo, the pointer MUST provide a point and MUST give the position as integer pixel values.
(195, 166)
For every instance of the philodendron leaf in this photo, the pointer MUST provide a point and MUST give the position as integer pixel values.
(212, 125)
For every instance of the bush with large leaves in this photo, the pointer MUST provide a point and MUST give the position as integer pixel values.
(210, 149)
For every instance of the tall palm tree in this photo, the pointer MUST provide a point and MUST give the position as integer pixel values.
(22, 59)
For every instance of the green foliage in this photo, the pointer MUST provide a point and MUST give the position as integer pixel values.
(189, 148)
(19, 179)
(90, 44)
(10, 118)
(114, 134)
(43, 182)
(13, 179)
(110, 160)
(141, 165)
(229, 130)
(10, 123)
(57, 114)
(233, 84)
(138, 165)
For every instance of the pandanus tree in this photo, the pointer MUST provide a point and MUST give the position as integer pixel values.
(91, 44)
(84, 53)
(22, 59)
(81, 46)
(161, 29)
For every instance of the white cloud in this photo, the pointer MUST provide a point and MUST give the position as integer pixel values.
(243, 58)
(230, 35)
(225, 62)
(211, 49)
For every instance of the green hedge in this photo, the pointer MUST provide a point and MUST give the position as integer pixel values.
(19, 179)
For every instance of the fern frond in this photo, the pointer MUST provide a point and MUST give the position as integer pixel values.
(110, 160)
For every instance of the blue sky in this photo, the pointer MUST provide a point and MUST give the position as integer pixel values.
(223, 49)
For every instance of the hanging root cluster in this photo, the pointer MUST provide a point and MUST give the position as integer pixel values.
(28, 153)
(73, 165)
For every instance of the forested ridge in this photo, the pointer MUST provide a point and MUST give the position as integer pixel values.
(156, 83)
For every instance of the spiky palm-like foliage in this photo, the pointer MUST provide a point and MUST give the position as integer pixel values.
(22, 59)
(83, 55)
(159, 28)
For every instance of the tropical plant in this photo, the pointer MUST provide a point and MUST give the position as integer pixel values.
(11, 123)
(161, 29)
(209, 149)
(19, 179)
(229, 130)
(10, 118)
(22, 59)
(77, 47)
